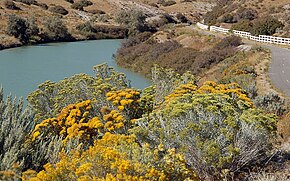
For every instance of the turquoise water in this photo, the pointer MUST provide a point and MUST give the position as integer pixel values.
(23, 69)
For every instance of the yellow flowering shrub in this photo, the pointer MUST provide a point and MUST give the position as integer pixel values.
(183, 131)
(209, 87)
(206, 124)
(127, 101)
(116, 157)
(77, 120)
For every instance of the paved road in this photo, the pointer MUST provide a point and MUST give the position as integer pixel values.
(280, 68)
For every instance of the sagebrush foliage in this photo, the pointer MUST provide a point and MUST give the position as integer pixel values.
(117, 157)
(15, 125)
(99, 128)
(51, 97)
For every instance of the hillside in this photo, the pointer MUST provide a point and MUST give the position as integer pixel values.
(100, 13)
(246, 14)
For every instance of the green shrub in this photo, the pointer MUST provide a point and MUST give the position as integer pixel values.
(218, 132)
(134, 40)
(228, 42)
(110, 31)
(56, 30)
(96, 11)
(9, 4)
(43, 6)
(81, 4)
(70, 1)
(15, 125)
(21, 28)
(243, 25)
(50, 97)
(86, 27)
(28, 2)
(265, 26)
(247, 13)
(210, 18)
(102, 31)
(134, 20)
(228, 18)
(181, 18)
(87, 30)
(260, 26)
(185, 1)
(271, 102)
(166, 2)
(162, 21)
(58, 9)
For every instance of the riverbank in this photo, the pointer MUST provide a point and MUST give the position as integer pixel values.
(105, 32)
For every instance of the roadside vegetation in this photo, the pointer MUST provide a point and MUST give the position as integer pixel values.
(90, 128)
(171, 54)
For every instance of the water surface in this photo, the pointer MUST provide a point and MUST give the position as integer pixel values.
(23, 69)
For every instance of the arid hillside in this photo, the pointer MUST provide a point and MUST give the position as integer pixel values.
(75, 13)
(247, 15)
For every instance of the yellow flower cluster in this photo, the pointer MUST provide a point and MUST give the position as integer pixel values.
(114, 120)
(77, 120)
(181, 90)
(115, 157)
(74, 121)
(124, 99)
(231, 89)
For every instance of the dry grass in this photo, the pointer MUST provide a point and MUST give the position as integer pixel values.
(284, 130)
(262, 61)
(269, 177)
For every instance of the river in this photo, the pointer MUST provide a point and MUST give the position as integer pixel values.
(23, 69)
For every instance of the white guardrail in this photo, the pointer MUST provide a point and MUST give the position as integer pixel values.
(260, 38)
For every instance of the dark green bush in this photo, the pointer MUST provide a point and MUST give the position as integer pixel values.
(109, 31)
(10, 5)
(181, 18)
(81, 4)
(247, 13)
(229, 18)
(162, 20)
(266, 26)
(185, 1)
(86, 27)
(96, 11)
(70, 1)
(166, 2)
(28, 2)
(228, 42)
(58, 9)
(134, 20)
(243, 25)
(211, 17)
(56, 30)
(43, 6)
(21, 28)
(134, 40)
(271, 102)
(101, 31)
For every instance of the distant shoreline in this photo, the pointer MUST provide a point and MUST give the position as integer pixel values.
(17, 45)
